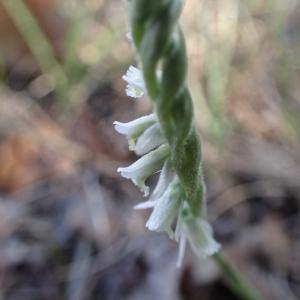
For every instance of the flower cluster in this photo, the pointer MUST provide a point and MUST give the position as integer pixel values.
(170, 211)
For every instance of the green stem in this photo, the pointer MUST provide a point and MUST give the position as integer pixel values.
(237, 283)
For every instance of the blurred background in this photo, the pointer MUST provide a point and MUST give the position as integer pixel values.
(68, 230)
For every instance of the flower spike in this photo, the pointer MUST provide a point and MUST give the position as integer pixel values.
(168, 139)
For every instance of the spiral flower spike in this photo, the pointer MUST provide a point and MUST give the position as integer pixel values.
(170, 142)
(178, 201)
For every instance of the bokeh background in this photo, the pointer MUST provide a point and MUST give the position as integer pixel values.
(68, 230)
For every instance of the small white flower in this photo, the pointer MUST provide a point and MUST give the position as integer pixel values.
(165, 178)
(136, 87)
(200, 236)
(150, 139)
(132, 130)
(144, 167)
(165, 210)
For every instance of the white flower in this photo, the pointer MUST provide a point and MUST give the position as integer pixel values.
(166, 206)
(165, 178)
(148, 164)
(136, 87)
(132, 130)
(165, 210)
(150, 139)
(199, 234)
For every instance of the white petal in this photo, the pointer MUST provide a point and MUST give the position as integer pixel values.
(148, 164)
(181, 250)
(145, 205)
(134, 76)
(136, 85)
(165, 178)
(200, 236)
(178, 228)
(140, 183)
(150, 139)
(134, 92)
(134, 128)
(165, 210)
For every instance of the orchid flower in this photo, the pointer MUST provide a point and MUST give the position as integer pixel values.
(132, 130)
(165, 178)
(135, 83)
(151, 138)
(165, 210)
(198, 232)
(144, 167)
